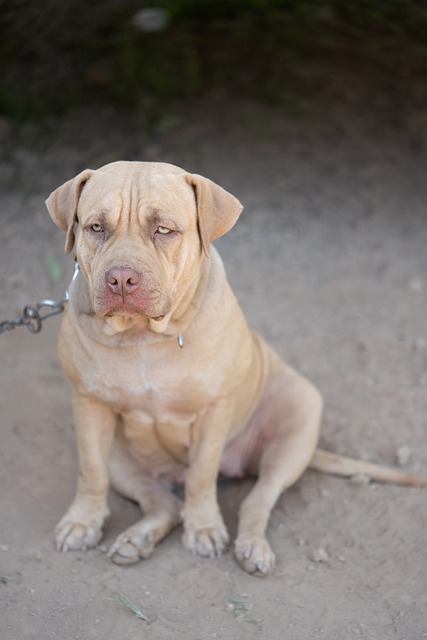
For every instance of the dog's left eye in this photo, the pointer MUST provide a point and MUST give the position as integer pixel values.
(163, 230)
(97, 228)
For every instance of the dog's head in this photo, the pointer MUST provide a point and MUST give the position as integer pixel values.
(140, 230)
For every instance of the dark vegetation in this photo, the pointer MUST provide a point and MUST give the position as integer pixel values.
(57, 54)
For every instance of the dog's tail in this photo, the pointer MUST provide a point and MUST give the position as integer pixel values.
(341, 466)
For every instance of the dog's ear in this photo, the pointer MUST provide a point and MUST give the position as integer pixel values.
(63, 202)
(217, 210)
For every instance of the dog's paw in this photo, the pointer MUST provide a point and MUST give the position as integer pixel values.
(208, 542)
(80, 529)
(132, 545)
(73, 535)
(254, 554)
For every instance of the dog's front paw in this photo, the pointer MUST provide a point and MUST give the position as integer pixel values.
(208, 541)
(254, 554)
(78, 531)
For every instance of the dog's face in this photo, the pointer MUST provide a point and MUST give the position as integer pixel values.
(142, 230)
(136, 239)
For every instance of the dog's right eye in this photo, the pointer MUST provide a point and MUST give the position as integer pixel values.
(164, 231)
(96, 228)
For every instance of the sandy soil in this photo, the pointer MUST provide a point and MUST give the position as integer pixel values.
(329, 261)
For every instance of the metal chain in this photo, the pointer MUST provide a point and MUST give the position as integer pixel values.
(33, 317)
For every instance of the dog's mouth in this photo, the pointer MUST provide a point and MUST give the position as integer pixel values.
(147, 311)
(153, 307)
(132, 314)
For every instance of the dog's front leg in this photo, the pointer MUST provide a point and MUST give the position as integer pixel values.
(81, 526)
(205, 533)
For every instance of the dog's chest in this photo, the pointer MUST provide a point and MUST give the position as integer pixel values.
(159, 401)
(156, 386)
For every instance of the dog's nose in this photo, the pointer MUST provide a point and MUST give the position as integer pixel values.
(122, 280)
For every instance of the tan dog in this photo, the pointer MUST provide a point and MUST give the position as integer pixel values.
(168, 380)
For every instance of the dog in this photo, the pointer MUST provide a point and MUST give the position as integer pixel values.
(169, 383)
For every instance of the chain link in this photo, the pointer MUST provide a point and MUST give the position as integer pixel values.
(33, 317)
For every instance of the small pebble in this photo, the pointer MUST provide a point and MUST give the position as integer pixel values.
(151, 19)
(403, 456)
(420, 343)
(415, 285)
(320, 555)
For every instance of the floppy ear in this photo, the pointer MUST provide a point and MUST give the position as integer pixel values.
(217, 210)
(62, 205)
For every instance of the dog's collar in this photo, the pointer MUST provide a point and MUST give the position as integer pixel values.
(75, 274)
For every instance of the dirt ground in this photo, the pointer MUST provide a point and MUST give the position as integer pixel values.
(329, 262)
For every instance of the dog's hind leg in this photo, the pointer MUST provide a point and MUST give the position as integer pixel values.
(161, 508)
(289, 416)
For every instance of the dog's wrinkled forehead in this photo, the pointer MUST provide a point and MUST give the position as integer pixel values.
(127, 190)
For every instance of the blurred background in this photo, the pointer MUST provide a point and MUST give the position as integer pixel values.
(56, 55)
